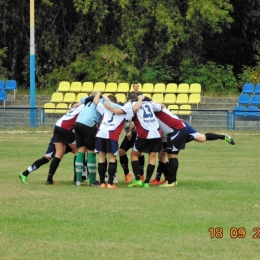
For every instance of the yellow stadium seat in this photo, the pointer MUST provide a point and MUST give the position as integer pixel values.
(158, 98)
(56, 97)
(111, 87)
(148, 95)
(64, 86)
(159, 88)
(147, 87)
(49, 108)
(87, 87)
(171, 88)
(182, 99)
(121, 97)
(185, 110)
(80, 96)
(123, 87)
(169, 98)
(195, 88)
(194, 99)
(69, 98)
(75, 86)
(100, 86)
(183, 88)
(61, 108)
(174, 109)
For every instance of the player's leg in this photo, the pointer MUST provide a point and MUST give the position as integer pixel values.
(111, 170)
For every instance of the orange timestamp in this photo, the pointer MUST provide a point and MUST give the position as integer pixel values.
(234, 232)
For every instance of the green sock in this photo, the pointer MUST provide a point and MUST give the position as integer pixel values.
(92, 167)
(79, 165)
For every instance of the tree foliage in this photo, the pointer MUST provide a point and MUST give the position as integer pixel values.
(122, 40)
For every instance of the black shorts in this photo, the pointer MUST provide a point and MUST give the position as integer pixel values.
(106, 146)
(61, 135)
(85, 136)
(127, 144)
(148, 145)
(51, 150)
(164, 147)
(176, 141)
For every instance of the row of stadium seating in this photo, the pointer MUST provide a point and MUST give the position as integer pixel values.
(112, 87)
(246, 100)
(247, 111)
(250, 89)
(183, 98)
(9, 85)
(62, 108)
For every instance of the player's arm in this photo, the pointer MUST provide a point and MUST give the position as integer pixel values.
(97, 98)
(115, 110)
(138, 104)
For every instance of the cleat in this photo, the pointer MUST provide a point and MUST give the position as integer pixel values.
(176, 183)
(51, 183)
(142, 178)
(86, 181)
(162, 182)
(23, 178)
(146, 185)
(167, 185)
(96, 183)
(229, 139)
(109, 186)
(128, 177)
(103, 185)
(155, 182)
(136, 183)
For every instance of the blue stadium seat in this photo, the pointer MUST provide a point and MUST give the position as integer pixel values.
(255, 100)
(252, 111)
(3, 96)
(240, 111)
(248, 88)
(257, 89)
(243, 99)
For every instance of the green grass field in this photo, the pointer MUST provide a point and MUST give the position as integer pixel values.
(218, 187)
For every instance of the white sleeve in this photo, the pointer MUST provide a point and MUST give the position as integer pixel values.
(100, 108)
(156, 107)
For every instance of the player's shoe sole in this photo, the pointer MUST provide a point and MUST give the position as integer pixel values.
(135, 184)
(166, 185)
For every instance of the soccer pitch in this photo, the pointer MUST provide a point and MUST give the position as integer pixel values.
(213, 213)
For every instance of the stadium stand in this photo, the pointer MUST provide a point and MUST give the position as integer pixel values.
(248, 88)
(56, 97)
(87, 87)
(49, 108)
(243, 99)
(11, 85)
(157, 97)
(3, 96)
(183, 88)
(100, 86)
(171, 88)
(69, 98)
(195, 88)
(182, 99)
(169, 98)
(111, 87)
(75, 87)
(123, 87)
(64, 86)
(174, 109)
(61, 108)
(159, 88)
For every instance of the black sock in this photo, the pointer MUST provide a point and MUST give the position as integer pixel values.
(166, 170)
(53, 167)
(36, 165)
(102, 167)
(149, 172)
(173, 168)
(212, 137)
(124, 163)
(159, 171)
(141, 161)
(136, 169)
(115, 168)
(111, 171)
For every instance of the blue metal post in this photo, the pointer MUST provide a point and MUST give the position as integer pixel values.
(32, 67)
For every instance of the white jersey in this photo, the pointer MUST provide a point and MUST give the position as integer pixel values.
(67, 121)
(146, 123)
(111, 124)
